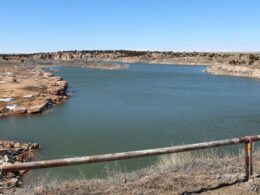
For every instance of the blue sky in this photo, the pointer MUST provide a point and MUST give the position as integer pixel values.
(178, 25)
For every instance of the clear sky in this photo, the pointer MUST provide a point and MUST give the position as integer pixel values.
(177, 25)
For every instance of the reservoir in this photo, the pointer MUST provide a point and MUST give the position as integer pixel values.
(145, 106)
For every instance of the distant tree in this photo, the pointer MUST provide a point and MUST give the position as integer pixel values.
(194, 53)
(212, 55)
(252, 57)
(5, 57)
(243, 62)
(251, 62)
(233, 62)
(225, 55)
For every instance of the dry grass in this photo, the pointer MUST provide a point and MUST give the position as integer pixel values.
(171, 174)
(180, 159)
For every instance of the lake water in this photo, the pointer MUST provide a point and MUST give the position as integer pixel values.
(146, 106)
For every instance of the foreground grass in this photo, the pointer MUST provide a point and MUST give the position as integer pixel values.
(182, 173)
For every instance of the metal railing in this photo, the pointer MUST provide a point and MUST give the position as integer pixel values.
(141, 153)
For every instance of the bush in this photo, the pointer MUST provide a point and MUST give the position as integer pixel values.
(5, 57)
(251, 62)
(212, 55)
(253, 58)
(225, 56)
(233, 62)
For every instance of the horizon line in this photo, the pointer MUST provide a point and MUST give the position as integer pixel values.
(137, 50)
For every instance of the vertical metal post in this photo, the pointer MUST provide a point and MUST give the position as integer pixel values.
(248, 159)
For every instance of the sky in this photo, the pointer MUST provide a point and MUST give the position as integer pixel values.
(173, 25)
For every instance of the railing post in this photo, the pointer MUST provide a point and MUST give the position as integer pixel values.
(248, 158)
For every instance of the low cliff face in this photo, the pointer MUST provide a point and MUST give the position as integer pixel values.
(235, 70)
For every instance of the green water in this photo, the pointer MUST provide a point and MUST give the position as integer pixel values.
(146, 106)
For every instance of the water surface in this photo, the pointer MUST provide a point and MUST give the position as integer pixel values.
(146, 106)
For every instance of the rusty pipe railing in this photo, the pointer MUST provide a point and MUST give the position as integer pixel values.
(140, 153)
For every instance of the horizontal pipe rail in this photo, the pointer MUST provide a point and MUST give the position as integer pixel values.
(125, 155)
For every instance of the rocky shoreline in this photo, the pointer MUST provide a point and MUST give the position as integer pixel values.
(237, 70)
(10, 153)
(28, 90)
(220, 63)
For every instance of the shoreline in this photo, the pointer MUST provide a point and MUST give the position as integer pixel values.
(236, 71)
(219, 63)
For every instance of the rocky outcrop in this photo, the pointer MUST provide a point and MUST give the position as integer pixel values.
(39, 108)
(61, 87)
(235, 70)
(35, 92)
(19, 110)
(11, 153)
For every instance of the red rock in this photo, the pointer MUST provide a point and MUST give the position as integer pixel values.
(39, 108)
(19, 110)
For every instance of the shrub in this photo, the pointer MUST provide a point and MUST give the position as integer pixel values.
(233, 62)
(5, 57)
(253, 58)
(251, 62)
(212, 55)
